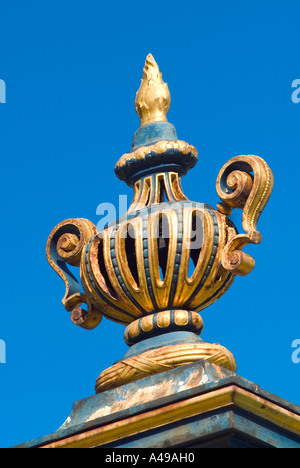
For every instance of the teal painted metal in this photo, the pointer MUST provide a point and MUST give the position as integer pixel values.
(157, 341)
(152, 133)
(170, 160)
(207, 430)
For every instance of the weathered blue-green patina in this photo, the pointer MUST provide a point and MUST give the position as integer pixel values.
(199, 405)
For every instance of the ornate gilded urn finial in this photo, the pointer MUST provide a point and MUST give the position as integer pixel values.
(168, 258)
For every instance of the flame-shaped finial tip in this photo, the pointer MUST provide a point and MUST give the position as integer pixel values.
(153, 99)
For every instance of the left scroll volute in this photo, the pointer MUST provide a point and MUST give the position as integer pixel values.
(65, 246)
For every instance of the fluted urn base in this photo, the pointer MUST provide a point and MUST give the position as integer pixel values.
(158, 348)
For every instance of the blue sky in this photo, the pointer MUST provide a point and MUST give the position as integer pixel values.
(71, 71)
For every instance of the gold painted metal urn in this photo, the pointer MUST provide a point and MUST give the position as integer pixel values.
(168, 258)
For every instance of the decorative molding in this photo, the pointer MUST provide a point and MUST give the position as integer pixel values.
(230, 397)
